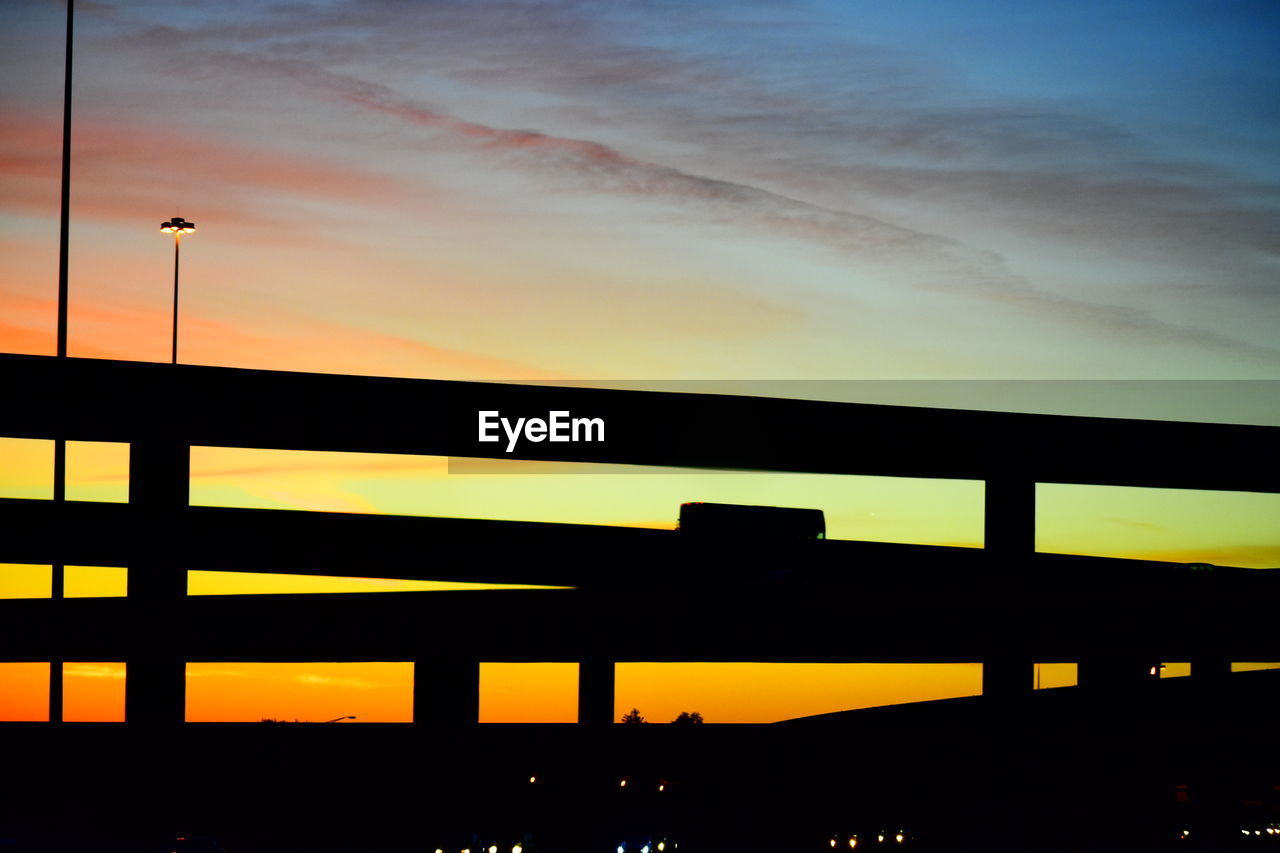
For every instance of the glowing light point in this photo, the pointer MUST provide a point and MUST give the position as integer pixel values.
(898, 838)
(493, 848)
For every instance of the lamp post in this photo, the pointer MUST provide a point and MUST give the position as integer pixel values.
(177, 226)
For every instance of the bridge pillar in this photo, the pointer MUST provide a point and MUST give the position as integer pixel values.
(595, 691)
(1210, 668)
(446, 691)
(1010, 515)
(1115, 675)
(159, 478)
(1009, 533)
(1006, 679)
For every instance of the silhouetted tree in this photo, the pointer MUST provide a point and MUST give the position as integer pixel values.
(687, 719)
(632, 717)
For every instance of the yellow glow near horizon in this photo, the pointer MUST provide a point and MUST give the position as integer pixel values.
(528, 692)
(1177, 525)
(95, 581)
(25, 580)
(769, 692)
(98, 471)
(885, 509)
(93, 692)
(24, 691)
(26, 468)
(267, 583)
(1250, 666)
(374, 692)
(1048, 675)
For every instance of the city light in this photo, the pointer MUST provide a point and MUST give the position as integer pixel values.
(533, 780)
(493, 848)
(853, 841)
(898, 838)
(517, 849)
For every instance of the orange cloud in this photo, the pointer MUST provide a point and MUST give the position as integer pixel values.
(115, 169)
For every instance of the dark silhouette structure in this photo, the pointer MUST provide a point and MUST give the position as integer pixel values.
(985, 773)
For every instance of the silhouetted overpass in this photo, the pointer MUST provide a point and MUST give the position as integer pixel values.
(1004, 605)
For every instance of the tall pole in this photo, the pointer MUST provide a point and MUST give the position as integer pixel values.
(177, 241)
(66, 190)
(60, 444)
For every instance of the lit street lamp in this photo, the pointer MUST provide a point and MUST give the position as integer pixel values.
(177, 226)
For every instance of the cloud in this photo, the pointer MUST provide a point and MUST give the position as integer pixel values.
(764, 145)
(333, 681)
(94, 670)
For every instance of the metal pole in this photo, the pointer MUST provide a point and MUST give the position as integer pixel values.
(66, 190)
(60, 445)
(177, 240)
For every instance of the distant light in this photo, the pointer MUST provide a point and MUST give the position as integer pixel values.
(517, 849)
(662, 845)
(533, 779)
(833, 842)
(898, 838)
(879, 838)
(661, 787)
(644, 849)
(622, 784)
(493, 848)
(853, 841)
(622, 849)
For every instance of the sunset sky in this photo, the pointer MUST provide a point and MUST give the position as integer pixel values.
(660, 191)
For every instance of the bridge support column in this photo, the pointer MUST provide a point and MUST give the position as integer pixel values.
(1005, 679)
(1115, 675)
(446, 691)
(1210, 668)
(1010, 515)
(595, 692)
(155, 686)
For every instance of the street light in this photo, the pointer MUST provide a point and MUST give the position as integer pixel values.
(177, 226)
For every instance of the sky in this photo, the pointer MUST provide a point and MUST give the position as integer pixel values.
(810, 191)
(656, 190)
